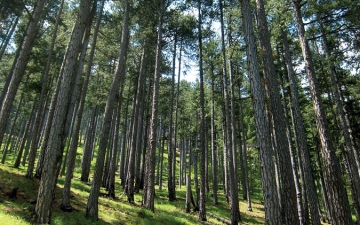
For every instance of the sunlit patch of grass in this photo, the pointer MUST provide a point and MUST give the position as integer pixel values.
(111, 211)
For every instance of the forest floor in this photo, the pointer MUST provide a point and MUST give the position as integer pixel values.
(20, 210)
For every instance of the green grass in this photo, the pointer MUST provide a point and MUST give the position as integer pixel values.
(111, 211)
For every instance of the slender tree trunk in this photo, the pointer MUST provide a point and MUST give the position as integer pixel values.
(339, 208)
(138, 115)
(20, 67)
(11, 131)
(202, 209)
(117, 83)
(171, 143)
(8, 37)
(123, 164)
(300, 137)
(271, 200)
(25, 136)
(57, 136)
(162, 158)
(149, 179)
(230, 132)
(110, 185)
(88, 146)
(65, 203)
(243, 153)
(213, 147)
(44, 90)
(289, 206)
(350, 154)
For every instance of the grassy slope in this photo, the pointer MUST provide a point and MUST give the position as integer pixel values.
(117, 211)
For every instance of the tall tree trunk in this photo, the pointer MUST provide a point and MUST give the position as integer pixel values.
(243, 152)
(117, 83)
(213, 148)
(44, 90)
(149, 179)
(230, 131)
(289, 206)
(20, 67)
(57, 136)
(171, 143)
(25, 136)
(88, 145)
(350, 154)
(65, 203)
(271, 200)
(8, 37)
(11, 131)
(110, 183)
(138, 115)
(202, 209)
(300, 138)
(339, 207)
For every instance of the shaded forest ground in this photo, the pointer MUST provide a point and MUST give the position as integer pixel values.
(111, 211)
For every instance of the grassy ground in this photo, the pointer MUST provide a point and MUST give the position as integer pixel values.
(111, 211)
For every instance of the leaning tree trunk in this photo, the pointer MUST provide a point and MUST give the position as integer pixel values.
(25, 135)
(300, 136)
(54, 152)
(339, 206)
(149, 179)
(350, 154)
(271, 200)
(289, 206)
(20, 67)
(11, 131)
(65, 203)
(44, 90)
(118, 80)
(8, 37)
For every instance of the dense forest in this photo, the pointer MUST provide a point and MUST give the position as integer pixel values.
(92, 92)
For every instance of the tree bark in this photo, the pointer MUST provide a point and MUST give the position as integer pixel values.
(300, 138)
(44, 90)
(230, 131)
(289, 206)
(20, 67)
(149, 179)
(271, 200)
(54, 152)
(65, 203)
(117, 83)
(339, 207)
(202, 197)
